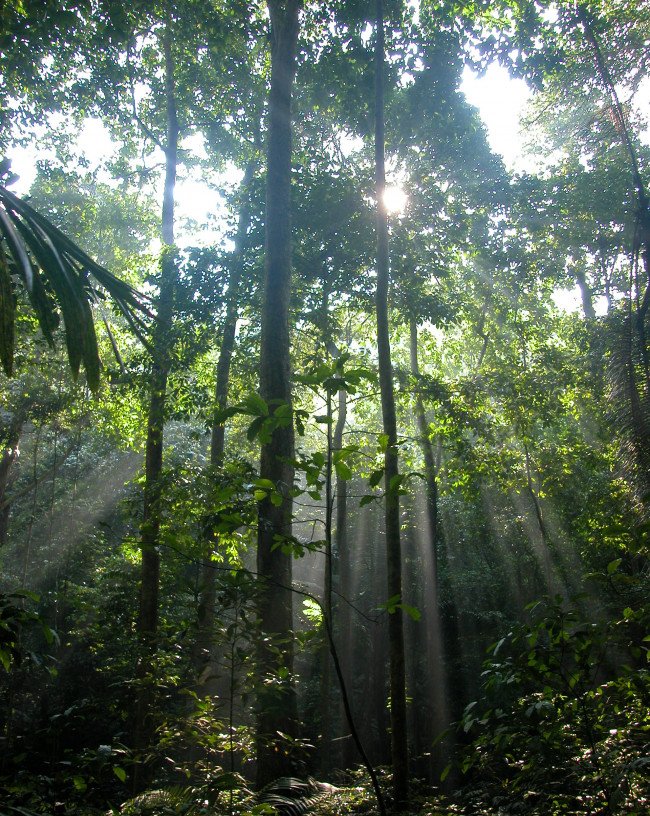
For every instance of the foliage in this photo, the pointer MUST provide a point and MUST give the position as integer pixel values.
(14, 617)
(525, 467)
(564, 718)
(54, 270)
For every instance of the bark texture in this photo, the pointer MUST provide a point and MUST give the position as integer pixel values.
(276, 699)
(147, 623)
(427, 449)
(399, 744)
(10, 454)
(148, 617)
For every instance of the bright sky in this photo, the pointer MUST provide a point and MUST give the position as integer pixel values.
(201, 208)
(500, 101)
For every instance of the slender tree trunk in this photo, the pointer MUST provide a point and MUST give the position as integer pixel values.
(148, 617)
(217, 444)
(206, 610)
(341, 567)
(10, 454)
(643, 212)
(328, 607)
(341, 553)
(586, 295)
(638, 397)
(147, 623)
(399, 744)
(639, 430)
(426, 447)
(276, 709)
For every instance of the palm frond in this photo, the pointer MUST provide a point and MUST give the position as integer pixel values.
(58, 276)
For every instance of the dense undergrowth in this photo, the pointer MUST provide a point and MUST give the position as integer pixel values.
(562, 726)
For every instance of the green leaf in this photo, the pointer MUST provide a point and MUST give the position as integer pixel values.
(392, 604)
(375, 477)
(266, 484)
(382, 442)
(613, 566)
(255, 427)
(343, 471)
(66, 268)
(254, 404)
(225, 413)
(283, 411)
(79, 783)
(367, 499)
(120, 773)
(412, 611)
(17, 249)
(7, 317)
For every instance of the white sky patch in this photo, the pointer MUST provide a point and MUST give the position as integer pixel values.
(500, 100)
(200, 207)
(366, 34)
(23, 163)
(570, 301)
(203, 207)
(195, 144)
(567, 300)
(350, 144)
(95, 143)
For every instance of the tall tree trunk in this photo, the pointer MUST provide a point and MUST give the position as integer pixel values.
(586, 295)
(399, 744)
(431, 481)
(147, 624)
(217, 443)
(642, 237)
(328, 586)
(341, 553)
(206, 610)
(277, 710)
(342, 584)
(10, 453)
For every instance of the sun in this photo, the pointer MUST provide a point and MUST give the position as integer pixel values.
(395, 200)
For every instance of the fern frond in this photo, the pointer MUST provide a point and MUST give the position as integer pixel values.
(294, 797)
(175, 801)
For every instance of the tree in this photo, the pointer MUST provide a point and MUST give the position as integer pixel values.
(399, 744)
(493, 396)
(277, 706)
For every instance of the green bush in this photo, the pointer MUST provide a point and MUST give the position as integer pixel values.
(564, 725)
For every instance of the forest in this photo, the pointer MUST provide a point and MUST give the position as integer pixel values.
(334, 498)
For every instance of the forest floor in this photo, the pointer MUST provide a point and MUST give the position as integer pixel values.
(356, 797)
